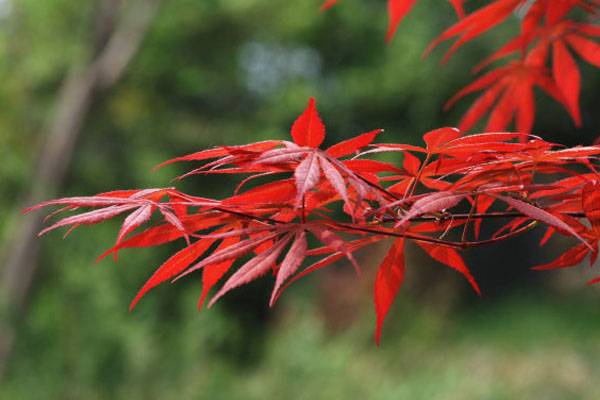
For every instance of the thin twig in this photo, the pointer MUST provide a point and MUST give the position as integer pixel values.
(490, 215)
(392, 233)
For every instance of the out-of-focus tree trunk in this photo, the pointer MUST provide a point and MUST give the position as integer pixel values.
(120, 28)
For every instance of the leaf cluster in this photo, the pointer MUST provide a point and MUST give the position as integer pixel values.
(551, 33)
(322, 205)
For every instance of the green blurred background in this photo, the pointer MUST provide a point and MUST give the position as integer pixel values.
(211, 72)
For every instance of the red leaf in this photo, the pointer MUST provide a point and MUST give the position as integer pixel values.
(589, 29)
(307, 176)
(335, 256)
(567, 78)
(477, 22)
(431, 203)
(214, 272)
(487, 80)
(587, 49)
(458, 7)
(556, 10)
(173, 220)
(278, 192)
(508, 90)
(483, 204)
(135, 219)
(234, 251)
(397, 10)
(333, 241)
(525, 108)
(390, 276)
(281, 155)
(538, 214)
(166, 233)
(308, 129)
(591, 205)
(370, 166)
(224, 151)
(514, 45)
(290, 263)
(173, 266)
(348, 147)
(90, 217)
(411, 163)
(72, 202)
(436, 139)
(594, 281)
(479, 108)
(253, 269)
(450, 258)
(335, 179)
(328, 4)
(503, 111)
(570, 258)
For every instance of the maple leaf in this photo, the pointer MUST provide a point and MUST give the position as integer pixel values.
(508, 92)
(330, 239)
(565, 71)
(451, 258)
(308, 129)
(173, 267)
(225, 153)
(576, 254)
(558, 36)
(476, 24)
(302, 157)
(144, 202)
(290, 263)
(544, 26)
(430, 203)
(255, 267)
(573, 256)
(307, 176)
(332, 257)
(166, 232)
(567, 78)
(447, 144)
(390, 276)
(211, 274)
(538, 214)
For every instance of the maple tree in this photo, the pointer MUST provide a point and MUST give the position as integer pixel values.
(551, 31)
(318, 206)
(329, 203)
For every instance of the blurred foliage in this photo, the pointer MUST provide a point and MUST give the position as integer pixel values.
(235, 71)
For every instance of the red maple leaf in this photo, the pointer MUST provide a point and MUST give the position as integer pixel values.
(508, 93)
